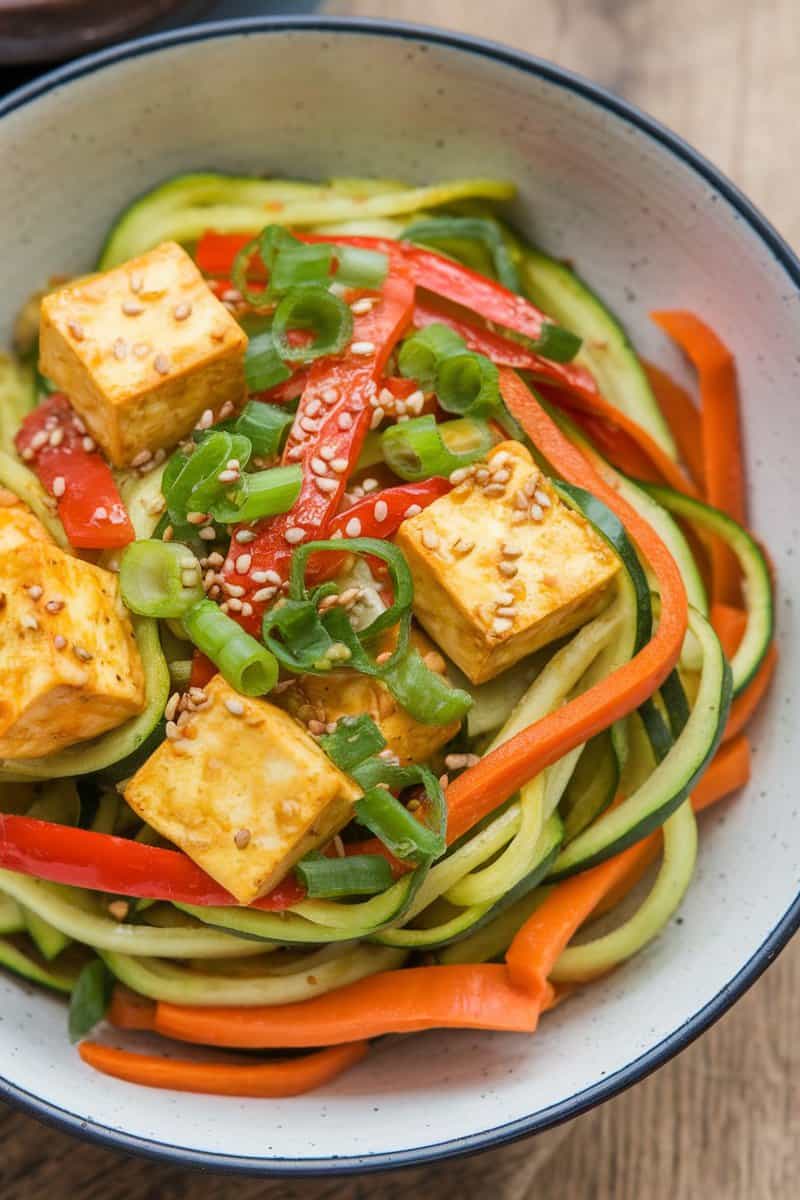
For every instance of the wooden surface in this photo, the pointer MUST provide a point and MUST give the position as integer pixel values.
(721, 1122)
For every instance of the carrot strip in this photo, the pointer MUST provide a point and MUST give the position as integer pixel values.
(723, 455)
(729, 624)
(129, 1010)
(538, 944)
(264, 1080)
(463, 996)
(729, 771)
(683, 417)
(619, 448)
(481, 788)
(748, 701)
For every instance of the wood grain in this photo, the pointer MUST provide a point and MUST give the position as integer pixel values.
(723, 1120)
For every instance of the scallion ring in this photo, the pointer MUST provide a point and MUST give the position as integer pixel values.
(159, 579)
(316, 310)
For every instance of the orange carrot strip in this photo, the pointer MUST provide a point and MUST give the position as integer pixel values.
(537, 945)
(463, 996)
(265, 1080)
(683, 417)
(723, 455)
(481, 788)
(729, 624)
(748, 701)
(729, 771)
(129, 1010)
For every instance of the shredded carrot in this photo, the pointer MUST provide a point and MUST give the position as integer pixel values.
(481, 788)
(723, 455)
(683, 417)
(292, 1077)
(129, 1010)
(538, 944)
(748, 701)
(729, 625)
(463, 996)
(729, 771)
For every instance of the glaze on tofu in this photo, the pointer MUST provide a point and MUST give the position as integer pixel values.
(142, 351)
(245, 791)
(502, 567)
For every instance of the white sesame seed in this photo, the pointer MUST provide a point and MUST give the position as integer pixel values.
(308, 425)
(537, 512)
(235, 707)
(39, 439)
(245, 536)
(161, 364)
(215, 559)
(413, 510)
(506, 610)
(131, 308)
(228, 476)
(501, 625)
(507, 569)
(501, 476)
(233, 589)
(381, 511)
(59, 641)
(247, 609)
(459, 475)
(501, 458)
(530, 485)
(542, 499)
(345, 421)
(35, 592)
(400, 407)
(362, 306)
(29, 622)
(339, 465)
(88, 444)
(353, 527)
(518, 517)
(141, 458)
(81, 653)
(56, 437)
(319, 466)
(171, 707)
(271, 577)
(243, 564)
(362, 348)
(242, 839)
(235, 604)
(101, 513)
(430, 539)
(482, 475)
(27, 454)
(327, 453)
(369, 485)
(326, 485)
(172, 732)
(207, 533)
(206, 419)
(263, 595)
(169, 534)
(196, 518)
(520, 500)
(376, 417)
(181, 311)
(294, 453)
(494, 489)
(59, 486)
(330, 395)
(55, 604)
(120, 349)
(416, 402)
(462, 546)
(295, 535)
(505, 598)
(510, 550)
(313, 407)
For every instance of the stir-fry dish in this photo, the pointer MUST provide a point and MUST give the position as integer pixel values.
(374, 623)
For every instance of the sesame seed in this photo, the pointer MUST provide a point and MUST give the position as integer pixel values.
(501, 625)
(228, 476)
(196, 518)
(383, 657)
(55, 605)
(542, 498)
(505, 598)
(234, 706)
(308, 425)
(181, 311)
(362, 348)
(29, 622)
(430, 539)
(27, 454)
(206, 419)
(494, 489)
(76, 329)
(35, 592)
(120, 349)
(345, 421)
(207, 533)
(59, 642)
(89, 445)
(330, 395)
(326, 485)
(327, 453)
(353, 528)
(501, 458)
(482, 475)
(339, 465)
(38, 440)
(295, 535)
(413, 510)
(362, 306)
(537, 512)
(319, 466)
(135, 281)
(272, 577)
(520, 500)
(376, 418)
(501, 476)
(313, 407)
(101, 513)
(81, 653)
(162, 364)
(56, 437)
(131, 308)
(381, 511)
(215, 559)
(506, 610)
(459, 475)
(416, 402)
(169, 534)
(456, 762)
(369, 485)
(247, 609)
(171, 706)
(233, 589)
(141, 458)
(507, 569)
(263, 595)
(119, 909)
(510, 550)
(59, 486)
(243, 564)
(294, 453)
(530, 485)
(462, 546)
(400, 407)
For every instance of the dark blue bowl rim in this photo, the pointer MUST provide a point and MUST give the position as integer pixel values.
(580, 1102)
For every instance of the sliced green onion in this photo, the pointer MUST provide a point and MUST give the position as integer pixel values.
(421, 353)
(159, 579)
(354, 875)
(353, 740)
(298, 265)
(242, 661)
(260, 494)
(239, 270)
(468, 384)
(401, 833)
(420, 448)
(197, 481)
(359, 268)
(423, 692)
(265, 425)
(475, 241)
(90, 999)
(263, 367)
(556, 343)
(315, 309)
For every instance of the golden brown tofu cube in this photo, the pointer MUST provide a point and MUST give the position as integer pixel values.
(502, 567)
(318, 699)
(69, 665)
(142, 351)
(245, 792)
(18, 525)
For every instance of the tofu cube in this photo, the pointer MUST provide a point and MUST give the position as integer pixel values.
(317, 699)
(69, 665)
(245, 792)
(142, 351)
(501, 567)
(18, 525)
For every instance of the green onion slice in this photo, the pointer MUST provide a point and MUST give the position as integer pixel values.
(359, 268)
(242, 661)
(475, 241)
(468, 384)
(420, 448)
(311, 309)
(420, 354)
(263, 366)
(354, 875)
(159, 579)
(266, 427)
(391, 821)
(353, 740)
(259, 494)
(299, 265)
(239, 272)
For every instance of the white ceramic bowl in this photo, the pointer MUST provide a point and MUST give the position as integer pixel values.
(650, 224)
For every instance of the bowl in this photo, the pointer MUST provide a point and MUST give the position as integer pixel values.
(650, 224)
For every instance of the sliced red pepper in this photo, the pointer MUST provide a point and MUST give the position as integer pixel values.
(282, 393)
(360, 520)
(332, 419)
(80, 479)
(216, 251)
(203, 670)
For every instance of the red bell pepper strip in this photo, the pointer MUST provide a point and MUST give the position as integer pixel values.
(104, 863)
(203, 670)
(215, 252)
(54, 443)
(361, 519)
(332, 419)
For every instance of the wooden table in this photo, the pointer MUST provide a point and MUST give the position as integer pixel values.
(722, 1121)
